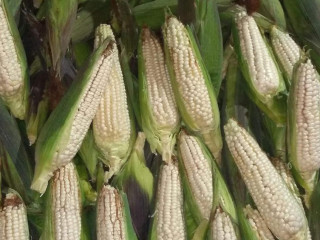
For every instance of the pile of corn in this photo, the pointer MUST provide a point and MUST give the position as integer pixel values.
(168, 120)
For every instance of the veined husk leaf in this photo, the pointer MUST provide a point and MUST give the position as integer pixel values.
(160, 138)
(273, 10)
(274, 105)
(209, 35)
(136, 180)
(60, 18)
(211, 135)
(17, 103)
(89, 154)
(55, 134)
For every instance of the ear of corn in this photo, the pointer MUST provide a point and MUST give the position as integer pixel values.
(13, 218)
(258, 224)
(303, 122)
(159, 112)
(136, 180)
(13, 69)
(203, 184)
(278, 207)
(113, 127)
(264, 80)
(113, 216)
(286, 50)
(196, 170)
(222, 227)
(169, 221)
(63, 209)
(191, 85)
(62, 134)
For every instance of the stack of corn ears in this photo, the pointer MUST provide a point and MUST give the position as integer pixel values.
(97, 177)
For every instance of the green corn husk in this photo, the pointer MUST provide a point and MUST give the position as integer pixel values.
(220, 193)
(64, 195)
(89, 154)
(273, 10)
(210, 133)
(16, 98)
(60, 17)
(209, 35)
(106, 227)
(55, 134)
(136, 180)
(161, 135)
(307, 179)
(16, 169)
(273, 105)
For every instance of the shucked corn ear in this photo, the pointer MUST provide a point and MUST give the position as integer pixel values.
(304, 124)
(286, 50)
(62, 134)
(13, 67)
(191, 84)
(169, 222)
(278, 207)
(199, 172)
(113, 216)
(258, 224)
(159, 112)
(13, 219)
(222, 227)
(112, 127)
(259, 68)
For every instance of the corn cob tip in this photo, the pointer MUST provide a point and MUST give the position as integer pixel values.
(222, 227)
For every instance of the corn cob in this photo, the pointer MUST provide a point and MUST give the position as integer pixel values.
(160, 117)
(112, 126)
(64, 131)
(304, 124)
(278, 207)
(169, 220)
(191, 85)
(222, 227)
(264, 82)
(66, 204)
(258, 224)
(198, 173)
(13, 219)
(13, 67)
(286, 50)
(113, 217)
